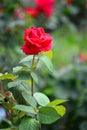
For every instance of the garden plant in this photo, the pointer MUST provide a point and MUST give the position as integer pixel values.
(35, 108)
(28, 80)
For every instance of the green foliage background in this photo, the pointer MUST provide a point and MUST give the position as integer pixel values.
(68, 26)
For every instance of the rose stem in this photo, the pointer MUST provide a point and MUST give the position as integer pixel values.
(32, 81)
(32, 86)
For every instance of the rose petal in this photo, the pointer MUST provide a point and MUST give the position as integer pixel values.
(36, 41)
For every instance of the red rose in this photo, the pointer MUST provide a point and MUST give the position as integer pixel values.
(70, 1)
(18, 13)
(33, 12)
(83, 57)
(45, 6)
(1, 10)
(36, 40)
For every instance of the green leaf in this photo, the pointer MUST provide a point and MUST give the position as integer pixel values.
(46, 60)
(47, 115)
(49, 53)
(25, 108)
(14, 84)
(17, 68)
(20, 68)
(7, 76)
(22, 114)
(57, 102)
(60, 110)
(29, 124)
(34, 76)
(1, 74)
(29, 99)
(1, 97)
(41, 98)
(5, 124)
(25, 59)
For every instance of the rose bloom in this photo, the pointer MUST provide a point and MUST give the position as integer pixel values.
(1, 10)
(45, 6)
(83, 57)
(31, 11)
(36, 41)
(70, 1)
(18, 13)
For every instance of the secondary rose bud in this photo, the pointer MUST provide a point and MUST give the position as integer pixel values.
(31, 11)
(46, 6)
(36, 41)
(70, 1)
(1, 10)
(18, 13)
(42, 6)
(83, 57)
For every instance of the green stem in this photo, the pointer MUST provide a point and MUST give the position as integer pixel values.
(40, 127)
(33, 62)
(32, 86)
(32, 81)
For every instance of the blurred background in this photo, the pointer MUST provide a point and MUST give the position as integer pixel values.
(66, 21)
